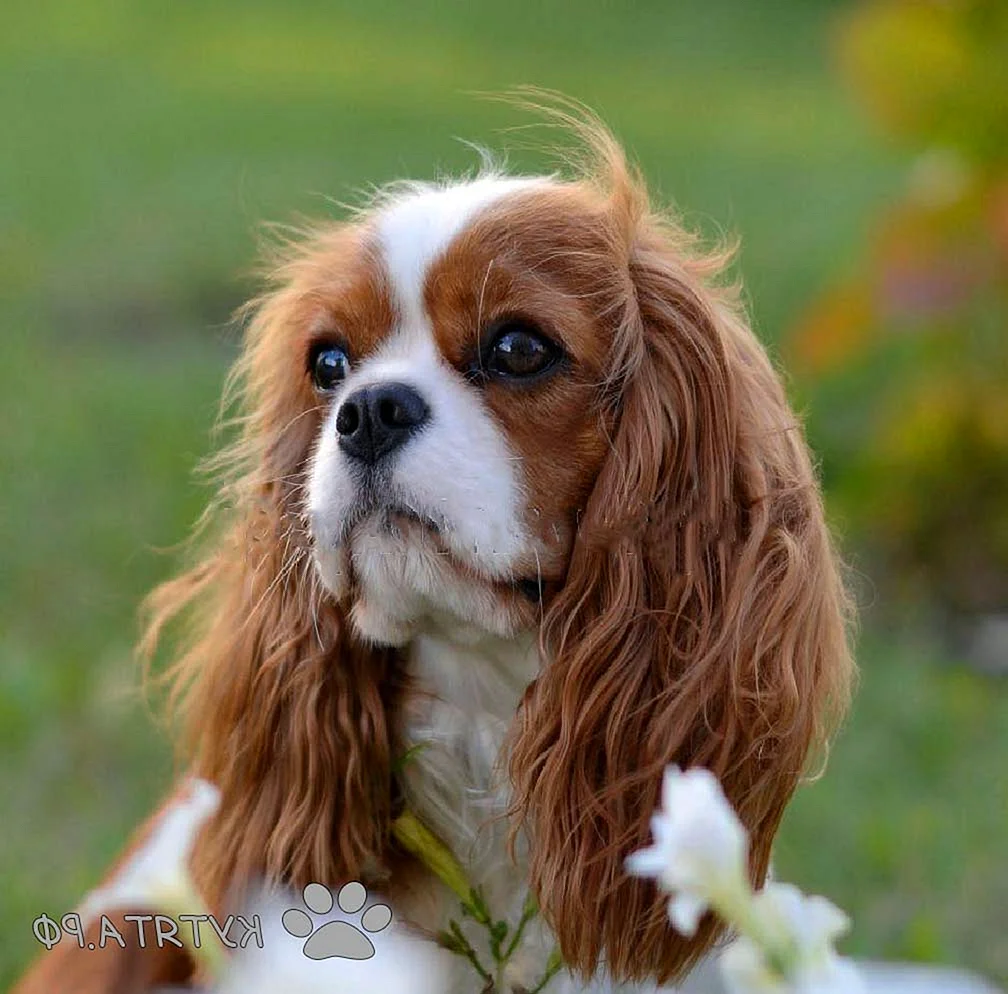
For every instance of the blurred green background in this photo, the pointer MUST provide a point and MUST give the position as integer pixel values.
(856, 148)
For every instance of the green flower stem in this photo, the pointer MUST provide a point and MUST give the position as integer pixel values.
(420, 841)
(402, 762)
(455, 941)
(553, 966)
(530, 911)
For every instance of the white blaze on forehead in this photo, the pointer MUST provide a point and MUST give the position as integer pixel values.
(415, 229)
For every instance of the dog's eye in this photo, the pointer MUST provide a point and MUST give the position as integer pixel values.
(328, 365)
(519, 349)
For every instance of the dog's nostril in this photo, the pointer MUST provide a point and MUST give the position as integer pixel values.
(348, 418)
(390, 413)
(398, 406)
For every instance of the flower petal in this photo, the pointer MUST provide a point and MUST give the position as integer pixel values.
(685, 910)
(745, 972)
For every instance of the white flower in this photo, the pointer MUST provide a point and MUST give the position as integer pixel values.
(793, 951)
(745, 971)
(785, 939)
(157, 875)
(790, 918)
(699, 849)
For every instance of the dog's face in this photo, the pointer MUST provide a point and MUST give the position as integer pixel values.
(456, 354)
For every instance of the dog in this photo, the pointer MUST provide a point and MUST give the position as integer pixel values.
(518, 514)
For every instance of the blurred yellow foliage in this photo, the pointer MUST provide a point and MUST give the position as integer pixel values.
(909, 358)
(933, 71)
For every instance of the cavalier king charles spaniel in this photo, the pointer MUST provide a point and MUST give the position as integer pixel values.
(517, 516)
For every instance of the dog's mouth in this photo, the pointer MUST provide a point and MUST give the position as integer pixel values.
(402, 521)
(399, 514)
(394, 517)
(397, 519)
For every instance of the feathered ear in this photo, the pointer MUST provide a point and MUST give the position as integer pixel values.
(281, 708)
(702, 621)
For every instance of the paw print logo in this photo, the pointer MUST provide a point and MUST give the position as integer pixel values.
(337, 939)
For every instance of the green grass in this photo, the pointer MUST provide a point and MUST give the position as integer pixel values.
(906, 829)
(142, 146)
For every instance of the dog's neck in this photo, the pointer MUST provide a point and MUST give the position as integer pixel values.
(465, 698)
(455, 780)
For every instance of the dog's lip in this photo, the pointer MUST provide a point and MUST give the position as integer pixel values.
(405, 513)
(333, 535)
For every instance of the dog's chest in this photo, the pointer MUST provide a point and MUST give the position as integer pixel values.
(455, 782)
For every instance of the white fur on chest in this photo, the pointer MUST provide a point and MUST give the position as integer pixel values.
(456, 778)
(455, 781)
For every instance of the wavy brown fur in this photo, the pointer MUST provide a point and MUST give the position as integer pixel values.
(703, 620)
(282, 709)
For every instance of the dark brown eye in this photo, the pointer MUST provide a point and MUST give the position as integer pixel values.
(328, 364)
(518, 350)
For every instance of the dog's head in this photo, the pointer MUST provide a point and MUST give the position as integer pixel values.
(458, 355)
(493, 407)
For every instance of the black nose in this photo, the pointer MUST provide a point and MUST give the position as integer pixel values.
(376, 420)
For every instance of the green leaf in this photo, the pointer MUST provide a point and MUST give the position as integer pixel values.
(553, 966)
(418, 839)
(400, 764)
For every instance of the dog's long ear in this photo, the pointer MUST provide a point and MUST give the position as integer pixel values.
(703, 617)
(282, 709)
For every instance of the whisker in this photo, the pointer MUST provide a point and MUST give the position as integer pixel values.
(479, 313)
(297, 417)
(282, 574)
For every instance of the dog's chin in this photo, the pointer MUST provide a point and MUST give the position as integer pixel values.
(397, 578)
